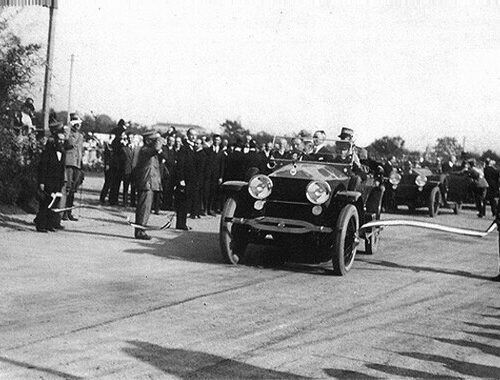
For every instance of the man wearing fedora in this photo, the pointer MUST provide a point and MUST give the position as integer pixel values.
(50, 179)
(73, 162)
(148, 180)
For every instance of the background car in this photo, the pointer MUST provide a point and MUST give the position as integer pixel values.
(317, 202)
(418, 188)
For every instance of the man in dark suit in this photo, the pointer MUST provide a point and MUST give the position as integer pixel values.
(236, 163)
(215, 171)
(492, 176)
(200, 159)
(148, 180)
(185, 178)
(168, 158)
(51, 170)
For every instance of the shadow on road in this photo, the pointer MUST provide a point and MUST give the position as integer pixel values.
(187, 364)
(465, 368)
(406, 372)
(348, 374)
(48, 371)
(418, 269)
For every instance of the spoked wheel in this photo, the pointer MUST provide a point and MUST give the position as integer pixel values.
(346, 240)
(434, 202)
(231, 237)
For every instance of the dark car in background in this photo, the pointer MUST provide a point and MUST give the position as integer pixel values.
(315, 202)
(418, 188)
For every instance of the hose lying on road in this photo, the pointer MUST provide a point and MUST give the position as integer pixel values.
(430, 226)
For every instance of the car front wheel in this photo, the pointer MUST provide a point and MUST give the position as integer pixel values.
(346, 240)
(434, 202)
(232, 239)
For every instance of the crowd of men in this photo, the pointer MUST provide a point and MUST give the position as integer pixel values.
(154, 172)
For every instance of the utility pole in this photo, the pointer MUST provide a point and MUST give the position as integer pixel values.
(48, 66)
(72, 61)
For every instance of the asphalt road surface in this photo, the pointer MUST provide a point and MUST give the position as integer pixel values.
(90, 301)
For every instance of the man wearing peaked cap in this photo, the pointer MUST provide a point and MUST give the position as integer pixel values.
(73, 162)
(148, 179)
(346, 134)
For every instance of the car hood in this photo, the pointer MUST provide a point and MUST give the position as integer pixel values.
(311, 171)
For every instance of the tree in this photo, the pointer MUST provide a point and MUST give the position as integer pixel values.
(491, 155)
(447, 146)
(19, 150)
(387, 146)
(232, 129)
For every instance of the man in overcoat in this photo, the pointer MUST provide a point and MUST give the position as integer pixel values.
(148, 180)
(51, 179)
(185, 177)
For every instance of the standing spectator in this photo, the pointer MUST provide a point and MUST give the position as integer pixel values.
(265, 157)
(117, 164)
(491, 175)
(106, 157)
(51, 178)
(168, 157)
(215, 171)
(480, 187)
(148, 180)
(200, 164)
(128, 154)
(74, 156)
(185, 177)
(236, 163)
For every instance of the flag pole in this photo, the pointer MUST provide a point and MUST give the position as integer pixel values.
(48, 67)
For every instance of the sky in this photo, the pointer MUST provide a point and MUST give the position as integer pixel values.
(417, 69)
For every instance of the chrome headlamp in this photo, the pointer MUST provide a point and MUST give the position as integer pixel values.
(260, 186)
(318, 192)
(421, 180)
(395, 178)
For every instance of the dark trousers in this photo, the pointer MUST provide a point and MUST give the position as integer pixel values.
(143, 209)
(213, 199)
(127, 182)
(183, 202)
(479, 197)
(114, 191)
(157, 200)
(492, 199)
(106, 186)
(168, 194)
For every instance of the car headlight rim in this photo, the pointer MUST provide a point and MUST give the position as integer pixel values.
(421, 180)
(318, 192)
(395, 178)
(260, 186)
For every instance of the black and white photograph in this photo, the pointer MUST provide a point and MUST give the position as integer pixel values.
(250, 189)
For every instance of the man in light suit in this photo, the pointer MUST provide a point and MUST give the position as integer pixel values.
(148, 180)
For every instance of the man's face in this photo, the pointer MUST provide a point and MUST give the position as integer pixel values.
(192, 135)
(198, 143)
(171, 141)
(217, 141)
(269, 146)
(318, 138)
(178, 141)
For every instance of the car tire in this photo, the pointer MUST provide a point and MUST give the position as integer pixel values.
(232, 241)
(372, 243)
(345, 242)
(434, 202)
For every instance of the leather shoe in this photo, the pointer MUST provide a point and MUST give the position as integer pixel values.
(185, 228)
(211, 213)
(42, 230)
(51, 229)
(59, 227)
(143, 236)
(72, 218)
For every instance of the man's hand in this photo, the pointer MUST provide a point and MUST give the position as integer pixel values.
(42, 187)
(220, 181)
(182, 183)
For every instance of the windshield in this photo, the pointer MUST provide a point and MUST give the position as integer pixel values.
(313, 150)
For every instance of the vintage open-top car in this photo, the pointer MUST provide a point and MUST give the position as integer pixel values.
(316, 201)
(417, 188)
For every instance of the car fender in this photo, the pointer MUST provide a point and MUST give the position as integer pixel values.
(346, 196)
(233, 186)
